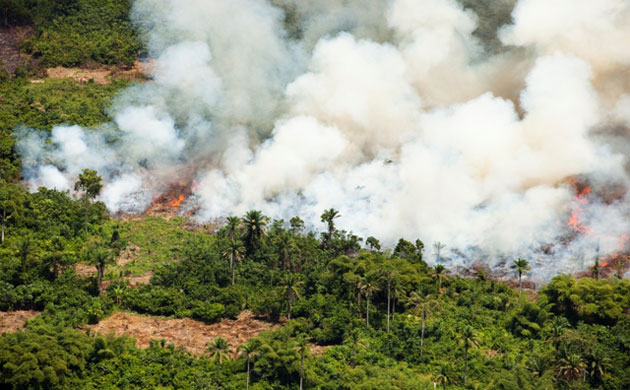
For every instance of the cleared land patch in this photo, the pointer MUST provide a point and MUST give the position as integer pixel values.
(192, 335)
(10, 321)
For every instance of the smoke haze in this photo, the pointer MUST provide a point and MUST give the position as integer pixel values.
(394, 112)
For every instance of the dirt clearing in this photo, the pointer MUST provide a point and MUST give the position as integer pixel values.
(192, 335)
(100, 74)
(10, 321)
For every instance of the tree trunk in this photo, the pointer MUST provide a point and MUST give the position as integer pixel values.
(424, 317)
(290, 299)
(4, 220)
(247, 382)
(87, 212)
(100, 271)
(465, 363)
(301, 367)
(393, 308)
(388, 304)
(232, 267)
(367, 310)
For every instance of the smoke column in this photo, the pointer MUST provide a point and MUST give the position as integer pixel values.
(393, 112)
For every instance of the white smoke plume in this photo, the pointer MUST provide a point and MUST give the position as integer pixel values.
(392, 112)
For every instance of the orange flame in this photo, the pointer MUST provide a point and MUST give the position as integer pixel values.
(178, 201)
(574, 220)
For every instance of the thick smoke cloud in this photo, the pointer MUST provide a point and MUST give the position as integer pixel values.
(394, 113)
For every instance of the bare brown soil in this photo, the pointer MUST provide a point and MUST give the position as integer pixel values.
(99, 74)
(10, 321)
(192, 335)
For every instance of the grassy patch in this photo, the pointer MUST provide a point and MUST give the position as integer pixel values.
(151, 241)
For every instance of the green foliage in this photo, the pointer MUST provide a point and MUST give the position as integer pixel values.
(76, 32)
(425, 325)
(589, 300)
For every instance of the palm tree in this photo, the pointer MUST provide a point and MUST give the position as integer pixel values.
(232, 227)
(389, 275)
(367, 286)
(285, 242)
(470, 340)
(219, 351)
(439, 272)
(99, 257)
(328, 217)
(255, 223)
(437, 247)
(248, 350)
(598, 363)
(571, 367)
(442, 376)
(521, 266)
(418, 303)
(538, 364)
(234, 252)
(291, 284)
(90, 183)
(558, 325)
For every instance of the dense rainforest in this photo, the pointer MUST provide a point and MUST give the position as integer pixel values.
(345, 313)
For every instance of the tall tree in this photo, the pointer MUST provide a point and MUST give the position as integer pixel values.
(328, 217)
(419, 307)
(99, 257)
(443, 375)
(390, 275)
(521, 266)
(90, 184)
(232, 227)
(291, 284)
(255, 224)
(248, 350)
(367, 285)
(470, 340)
(439, 273)
(285, 244)
(219, 350)
(234, 252)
